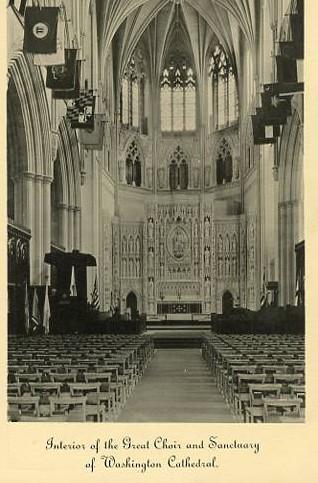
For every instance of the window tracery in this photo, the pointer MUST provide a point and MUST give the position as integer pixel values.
(223, 100)
(178, 170)
(131, 93)
(224, 163)
(133, 165)
(178, 96)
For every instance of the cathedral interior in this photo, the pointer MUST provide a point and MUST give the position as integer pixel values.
(186, 211)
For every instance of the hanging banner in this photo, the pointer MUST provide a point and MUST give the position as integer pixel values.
(81, 111)
(40, 30)
(93, 138)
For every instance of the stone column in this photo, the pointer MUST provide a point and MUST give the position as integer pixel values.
(282, 253)
(70, 228)
(63, 229)
(77, 228)
(46, 225)
(37, 232)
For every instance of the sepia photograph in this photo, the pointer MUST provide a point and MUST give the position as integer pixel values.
(155, 211)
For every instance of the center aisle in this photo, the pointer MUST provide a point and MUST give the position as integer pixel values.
(176, 387)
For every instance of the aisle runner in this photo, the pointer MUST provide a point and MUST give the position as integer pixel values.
(176, 387)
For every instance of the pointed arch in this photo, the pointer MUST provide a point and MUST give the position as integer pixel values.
(31, 96)
(291, 201)
(30, 166)
(134, 162)
(224, 162)
(70, 159)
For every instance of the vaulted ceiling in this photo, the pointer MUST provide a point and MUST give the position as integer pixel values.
(154, 23)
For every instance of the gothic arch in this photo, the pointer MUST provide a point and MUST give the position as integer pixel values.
(30, 161)
(134, 162)
(68, 158)
(178, 160)
(71, 165)
(291, 202)
(32, 99)
(131, 290)
(223, 161)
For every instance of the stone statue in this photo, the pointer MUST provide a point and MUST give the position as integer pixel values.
(162, 270)
(151, 288)
(161, 230)
(161, 177)
(206, 227)
(207, 288)
(150, 228)
(206, 257)
(150, 259)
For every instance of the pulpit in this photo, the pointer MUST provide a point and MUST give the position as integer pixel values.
(70, 313)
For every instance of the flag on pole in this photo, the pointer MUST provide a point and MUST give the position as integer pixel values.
(95, 296)
(93, 138)
(73, 289)
(18, 5)
(63, 76)
(263, 300)
(297, 292)
(46, 312)
(74, 91)
(26, 310)
(22, 7)
(36, 316)
(80, 112)
(260, 134)
(286, 69)
(57, 58)
(40, 30)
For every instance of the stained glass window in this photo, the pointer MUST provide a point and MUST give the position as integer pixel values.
(178, 98)
(223, 101)
(130, 96)
(135, 103)
(124, 91)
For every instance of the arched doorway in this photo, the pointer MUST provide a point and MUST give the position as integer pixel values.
(227, 302)
(131, 303)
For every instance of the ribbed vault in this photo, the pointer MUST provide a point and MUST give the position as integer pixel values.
(153, 22)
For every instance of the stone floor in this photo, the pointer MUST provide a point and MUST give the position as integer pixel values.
(176, 387)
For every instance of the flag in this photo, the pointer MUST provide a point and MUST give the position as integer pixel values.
(93, 138)
(58, 58)
(286, 69)
(63, 76)
(73, 290)
(46, 312)
(73, 92)
(95, 297)
(263, 299)
(297, 292)
(260, 134)
(283, 89)
(26, 310)
(275, 108)
(40, 30)
(81, 111)
(36, 316)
